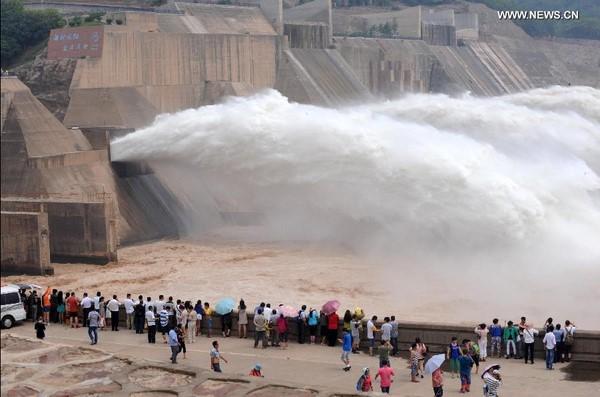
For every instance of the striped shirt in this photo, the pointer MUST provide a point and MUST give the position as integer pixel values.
(492, 384)
(164, 318)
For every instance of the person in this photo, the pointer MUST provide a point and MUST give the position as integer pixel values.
(274, 331)
(414, 363)
(113, 306)
(333, 322)
(356, 327)
(569, 339)
(97, 301)
(346, 342)
(323, 321)
(549, 342)
(394, 335)
(466, 363)
(73, 309)
(227, 324)
(139, 314)
(386, 373)
(256, 371)
(191, 323)
(129, 311)
(242, 320)
(496, 335)
(364, 383)
(482, 332)
(509, 335)
(282, 329)
(46, 305)
(102, 311)
(93, 322)
(40, 328)
(149, 303)
(181, 339)
(453, 352)
(548, 324)
(86, 306)
(559, 335)
(421, 353)
(492, 381)
(216, 357)
(60, 307)
(199, 313)
(529, 334)
(158, 304)
(260, 323)
(301, 321)
(173, 343)
(520, 342)
(36, 306)
(384, 352)
(474, 352)
(346, 321)
(54, 306)
(386, 330)
(313, 324)
(163, 323)
(437, 381)
(208, 313)
(371, 330)
(151, 323)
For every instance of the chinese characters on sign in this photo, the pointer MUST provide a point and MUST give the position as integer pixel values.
(76, 42)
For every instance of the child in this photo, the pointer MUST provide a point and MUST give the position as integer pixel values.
(437, 380)
(386, 373)
(414, 363)
(364, 382)
(256, 371)
(384, 352)
(40, 328)
(466, 363)
(208, 315)
(452, 354)
(181, 339)
(492, 381)
(346, 342)
(356, 327)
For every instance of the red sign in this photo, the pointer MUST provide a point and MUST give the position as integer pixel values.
(76, 42)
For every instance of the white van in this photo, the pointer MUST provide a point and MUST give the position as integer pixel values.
(12, 307)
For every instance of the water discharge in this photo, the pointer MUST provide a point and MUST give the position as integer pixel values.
(510, 181)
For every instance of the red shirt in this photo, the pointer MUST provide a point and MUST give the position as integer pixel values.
(333, 321)
(385, 373)
(72, 304)
(282, 325)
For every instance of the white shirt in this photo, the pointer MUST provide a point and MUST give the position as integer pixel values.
(529, 335)
(86, 302)
(128, 306)
(158, 305)
(549, 340)
(569, 330)
(386, 331)
(113, 305)
(370, 327)
(97, 302)
(150, 319)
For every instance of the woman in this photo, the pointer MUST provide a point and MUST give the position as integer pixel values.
(60, 308)
(333, 322)
(282, 327)
(323, 332)
(181, 339)
(347, 320)
(569, 340)
(242, 319)
(102, 312)
(549, 324)
(46, 305)
(420, 352)
(190, 326)
(313, 323)
(199, 311)
(227, 324)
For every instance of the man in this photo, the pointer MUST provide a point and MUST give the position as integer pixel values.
(139, 314)
(215, 357)
(394, 335)
(72, 304)
(97, 301)
(520, 343)
(151, 323)
(86, 305)
(128, 303)
(371, 329)
(159, 303)
(496, 334)
(170, 307)
(113, 307)
(260, 324)
(301, 320)
(529, 334)
(386, 373)
(149, 303)
(93, 320)
(386, 330)
(550, 344)
(174, 345)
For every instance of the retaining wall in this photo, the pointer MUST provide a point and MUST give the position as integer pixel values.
(25, 243)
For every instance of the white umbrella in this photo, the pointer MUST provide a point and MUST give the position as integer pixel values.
(434, 363)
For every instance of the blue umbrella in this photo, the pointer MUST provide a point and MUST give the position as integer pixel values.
(225, 306)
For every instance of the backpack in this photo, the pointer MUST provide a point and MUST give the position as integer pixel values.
(569, 338)
(299, 317)
(361, 383)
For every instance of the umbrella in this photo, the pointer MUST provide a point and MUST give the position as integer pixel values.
(288, 311)
(490, 368)
(331, 307)
(359, 313)
(225, 306)
(434, 363)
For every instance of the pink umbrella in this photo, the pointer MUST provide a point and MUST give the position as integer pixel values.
(288, 311)
(331, 306)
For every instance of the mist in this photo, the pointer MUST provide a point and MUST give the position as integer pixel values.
(430, 182)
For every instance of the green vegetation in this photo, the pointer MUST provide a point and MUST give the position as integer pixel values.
(21, 29)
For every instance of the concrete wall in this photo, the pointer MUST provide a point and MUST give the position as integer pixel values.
(467, 26)
(25, 243)
(68, 159)
(439, 34)
(273, 10)
(307, 35)
(438, 17)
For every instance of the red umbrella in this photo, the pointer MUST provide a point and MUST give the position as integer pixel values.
(331, 307)
(288, 311)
